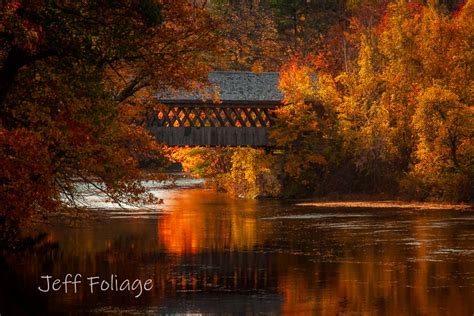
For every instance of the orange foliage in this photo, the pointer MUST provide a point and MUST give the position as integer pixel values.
(300, 129)
(396, 95)
(72, 77)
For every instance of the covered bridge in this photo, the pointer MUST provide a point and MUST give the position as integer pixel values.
(241, 116)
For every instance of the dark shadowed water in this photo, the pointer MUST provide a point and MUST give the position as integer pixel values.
(208, 253)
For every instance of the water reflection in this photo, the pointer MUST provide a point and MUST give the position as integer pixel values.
(226, 224)
(208, 253)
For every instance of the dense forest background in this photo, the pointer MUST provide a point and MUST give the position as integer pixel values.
(378, 99)
(378, 96)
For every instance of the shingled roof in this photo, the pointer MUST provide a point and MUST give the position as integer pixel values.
(233, 86)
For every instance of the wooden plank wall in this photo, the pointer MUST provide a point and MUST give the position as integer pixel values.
(211, 136)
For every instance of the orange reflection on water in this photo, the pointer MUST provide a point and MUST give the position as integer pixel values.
(400, 274)
(193, 225)
(208, 245)
(298, 298)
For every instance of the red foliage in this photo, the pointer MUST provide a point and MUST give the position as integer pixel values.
(24, 157)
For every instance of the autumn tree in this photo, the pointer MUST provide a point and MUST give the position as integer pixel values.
(250, 37)
(443, 120)
(73, 75)
(301, 23)
(304, 129)
(243, 172)
(396, 88)
(404, 104)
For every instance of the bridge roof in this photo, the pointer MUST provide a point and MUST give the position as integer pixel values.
(232, 86)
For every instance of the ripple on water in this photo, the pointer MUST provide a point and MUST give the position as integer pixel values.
(449, 251)
(424, 259)
(315, 216)
(414, 243)
(130, 213)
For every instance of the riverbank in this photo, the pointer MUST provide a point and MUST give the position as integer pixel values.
(388, 204)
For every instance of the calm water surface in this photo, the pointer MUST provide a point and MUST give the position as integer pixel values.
(209, 253)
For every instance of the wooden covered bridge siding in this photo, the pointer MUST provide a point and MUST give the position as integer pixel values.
(207, 124)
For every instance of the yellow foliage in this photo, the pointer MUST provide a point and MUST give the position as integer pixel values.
(408, 104)
(252, 174)
(243, 172)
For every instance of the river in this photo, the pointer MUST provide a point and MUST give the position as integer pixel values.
(207, 252)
